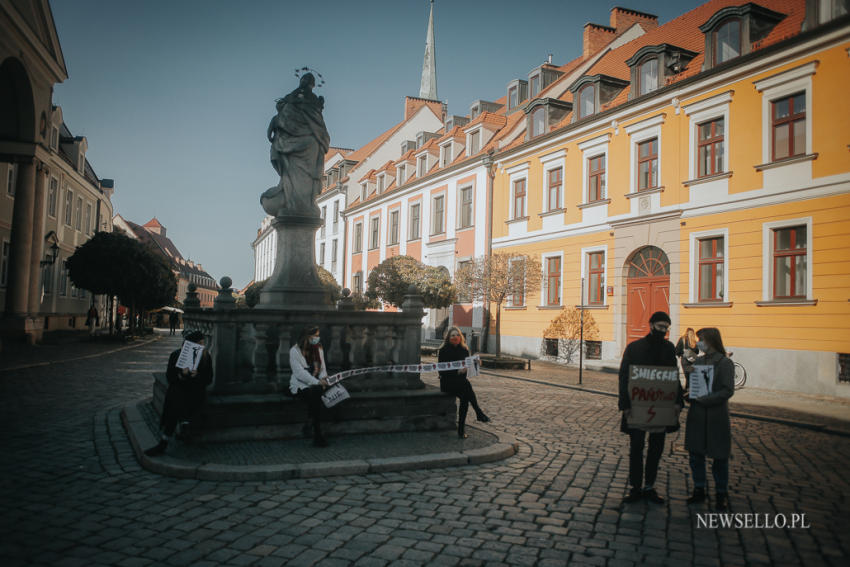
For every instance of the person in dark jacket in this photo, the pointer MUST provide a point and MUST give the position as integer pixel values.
(186, 392)
(455, 381)
(708, 432)
(652, 350)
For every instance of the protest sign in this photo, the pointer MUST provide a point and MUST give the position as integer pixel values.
(334, 395)
(653, 391)
(700, 381)
(190, 355)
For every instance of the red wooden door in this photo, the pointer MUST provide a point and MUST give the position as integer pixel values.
(647, 290)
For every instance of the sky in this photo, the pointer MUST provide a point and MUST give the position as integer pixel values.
(174, 96)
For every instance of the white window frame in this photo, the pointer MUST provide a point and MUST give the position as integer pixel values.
(469, 136)
(699, 113)
(779, 86)
(517, 173)
(78, 214)
(422, 171)
(381, 183)
(767, 255)
(638, 133)
(53, 185)
(364, 190)
(544, 294)
(585, 259)
(549, 162)
(693, 264)
(400, 171)
(87, 217)
(591, 149)
(446, 154)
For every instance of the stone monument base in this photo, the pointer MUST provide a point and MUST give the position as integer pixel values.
(252, 417)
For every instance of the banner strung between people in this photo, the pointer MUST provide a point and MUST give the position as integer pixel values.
(471, 363)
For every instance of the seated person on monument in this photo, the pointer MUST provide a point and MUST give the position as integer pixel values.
(455, 382)
(186, 392)
(308, 381)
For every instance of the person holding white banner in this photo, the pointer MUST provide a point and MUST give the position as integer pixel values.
(708, 432)
(309, 378)
(455, 381)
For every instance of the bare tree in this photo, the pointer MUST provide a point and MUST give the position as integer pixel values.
(506, 276)
(566, 329)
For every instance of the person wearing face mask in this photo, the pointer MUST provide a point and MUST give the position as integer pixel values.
(652, 350)
(708, 431)
(308, 381)
(455, 382)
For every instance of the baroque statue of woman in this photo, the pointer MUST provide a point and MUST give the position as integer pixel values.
(299, 142)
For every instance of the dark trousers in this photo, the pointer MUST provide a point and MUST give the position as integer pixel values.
(312, 396)
(460, 387)
(719, 470)
(653, 457)
(183, 401)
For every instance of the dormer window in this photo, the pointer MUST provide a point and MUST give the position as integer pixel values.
(400, 173)
(727, 41)
(732, 31)
(587, 101)
(364, 190)
(474, 111)
(474, 143)
(517, 92)
(445, 155)
(544, 114)
(422, 165)
(534, 84)
(648, 76)
(380, 184)
(54, 138)
(538, 121)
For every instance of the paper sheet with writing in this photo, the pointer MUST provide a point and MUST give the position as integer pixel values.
(190, 355)
(700, 380)
(653, 391)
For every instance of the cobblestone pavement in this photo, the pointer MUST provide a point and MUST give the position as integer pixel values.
(72, 492)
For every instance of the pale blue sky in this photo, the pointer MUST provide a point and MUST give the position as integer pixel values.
(175, 96)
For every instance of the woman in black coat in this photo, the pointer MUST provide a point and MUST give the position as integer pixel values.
(455, 381)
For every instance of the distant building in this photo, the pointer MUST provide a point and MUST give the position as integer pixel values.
(186, 271)
(51, 200)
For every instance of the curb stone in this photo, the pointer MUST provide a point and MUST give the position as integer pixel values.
(141, 437)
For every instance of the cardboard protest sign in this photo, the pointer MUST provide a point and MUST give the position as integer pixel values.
(700, 380)
(653, 391)
(190, 355)
(334, 395)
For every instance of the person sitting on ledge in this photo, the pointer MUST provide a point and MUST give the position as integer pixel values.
(455, 381)
(308, 381)
(186, 392)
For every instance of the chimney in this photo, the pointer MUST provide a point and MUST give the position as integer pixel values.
(623, 18)
(596, 37)
(549, 59)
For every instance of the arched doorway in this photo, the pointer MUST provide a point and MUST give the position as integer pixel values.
(17, 114)
(648, 289)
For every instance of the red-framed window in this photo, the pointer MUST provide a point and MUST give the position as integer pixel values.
(516, 271)
(789, 126)
(553, 281)
(710, 147)
(711, 263)
(789, 262)
(596, 278)
(519, 198)
(596, 178)
(553, 191)
(648, 164)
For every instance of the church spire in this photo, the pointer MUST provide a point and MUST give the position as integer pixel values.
(428, 87)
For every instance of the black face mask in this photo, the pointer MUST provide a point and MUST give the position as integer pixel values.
(656, 334)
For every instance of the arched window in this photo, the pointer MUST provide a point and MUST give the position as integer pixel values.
(727, 41)
(648, 76)
(587, 101)
(648, 262)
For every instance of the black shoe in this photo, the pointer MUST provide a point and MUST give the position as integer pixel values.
(652, 496)
(635, 495)
(157, 449)
(721, 501)
(320, 441)
(699, 496)
(482, 417)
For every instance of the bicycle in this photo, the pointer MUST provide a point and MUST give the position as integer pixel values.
(740, 372)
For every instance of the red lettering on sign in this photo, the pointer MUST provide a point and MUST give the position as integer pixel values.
(651, 413)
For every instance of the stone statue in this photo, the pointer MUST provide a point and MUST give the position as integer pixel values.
(299, 142)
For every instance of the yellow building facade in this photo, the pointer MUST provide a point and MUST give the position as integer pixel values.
(704, 169)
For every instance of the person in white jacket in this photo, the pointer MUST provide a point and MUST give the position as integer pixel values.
(308, 381)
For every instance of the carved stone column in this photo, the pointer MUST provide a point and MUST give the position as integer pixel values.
(17, 291)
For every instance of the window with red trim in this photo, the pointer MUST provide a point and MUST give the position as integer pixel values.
(711, 262)
(596, 178)
(710, 147)
(596, 278)
(789, 262)
(553, 281)
(789, 126)
(555, 183)
(519, 198)
(648, 164)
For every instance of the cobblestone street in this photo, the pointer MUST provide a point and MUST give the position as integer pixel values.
(74, 494)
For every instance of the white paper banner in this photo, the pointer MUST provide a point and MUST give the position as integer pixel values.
(190, 355)
(471, 363)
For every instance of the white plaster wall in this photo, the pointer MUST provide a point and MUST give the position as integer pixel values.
(810, 372)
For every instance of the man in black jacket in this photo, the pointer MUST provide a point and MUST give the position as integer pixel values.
(186, 392)
(652, 350)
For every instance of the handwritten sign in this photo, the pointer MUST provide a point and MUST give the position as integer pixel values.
(334, 395)
(700, 380)
(190, 355)
(653, 391)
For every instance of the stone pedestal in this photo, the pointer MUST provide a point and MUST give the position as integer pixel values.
(295, 283)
